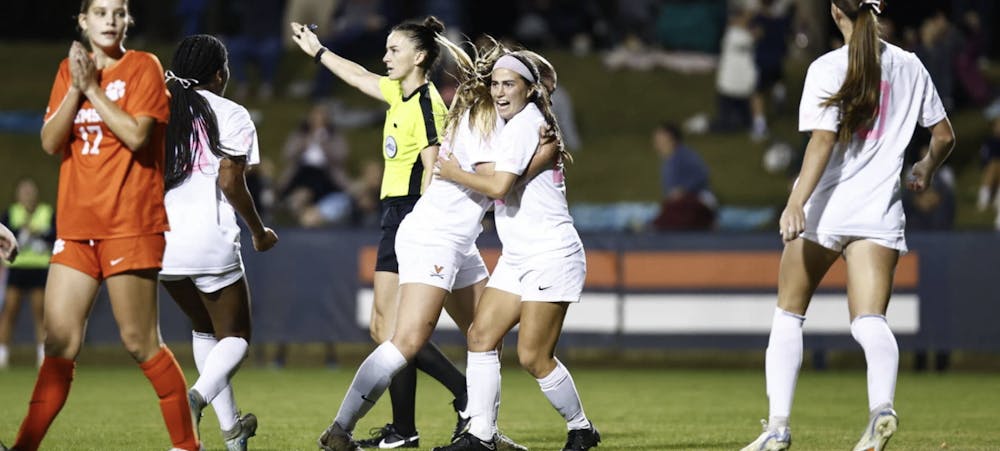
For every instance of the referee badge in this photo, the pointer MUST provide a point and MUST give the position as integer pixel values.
(390, 147)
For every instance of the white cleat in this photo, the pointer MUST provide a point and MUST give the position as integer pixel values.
(881, 425)
(777, 438)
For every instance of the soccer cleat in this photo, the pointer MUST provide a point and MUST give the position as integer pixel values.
(582, 439)
(236, 438)
(335, 438)
(197, 404)
(776, 438)
(505, 443)
(462, 424)
(468, 442)
(388, 437)
(881, 425)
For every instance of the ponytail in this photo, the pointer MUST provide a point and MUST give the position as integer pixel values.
(858, 98)
(425, 36)
(192, 121)
(473, 92)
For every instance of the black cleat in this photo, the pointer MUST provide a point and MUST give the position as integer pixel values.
(462, 424)
(582, 439)
(388, 437)
(468, 442)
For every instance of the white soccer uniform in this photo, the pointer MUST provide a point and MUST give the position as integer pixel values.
(859, 193)
(543, 258)
(436, 242)
(204, 239)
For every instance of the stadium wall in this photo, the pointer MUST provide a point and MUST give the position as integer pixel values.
(668, 291)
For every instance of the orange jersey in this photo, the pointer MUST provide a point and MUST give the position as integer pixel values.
(105, 189)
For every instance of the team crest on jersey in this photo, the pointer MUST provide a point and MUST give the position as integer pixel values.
(115, 90)
(390, 147)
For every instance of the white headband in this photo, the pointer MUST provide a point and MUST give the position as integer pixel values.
(513, 64)
(876, 5)
(184, 82)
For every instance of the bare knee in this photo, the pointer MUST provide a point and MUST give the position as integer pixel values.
(479, 339)
(63, 343)
(408, 345)
(536, 363)
(140, 344)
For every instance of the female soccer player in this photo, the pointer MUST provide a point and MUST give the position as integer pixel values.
(109, 132)
(410, 144)
(861, 103)
(210, 143)
(541, 270)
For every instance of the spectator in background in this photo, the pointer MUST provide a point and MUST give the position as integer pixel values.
(255, 38)
(33, 223)
(358, 29)
(735, 81)
(938, 44)
(687, 201)
(358, 205)
(314, 153)
(975, 89)
(989, 185)
(770, 27)
(318, 12)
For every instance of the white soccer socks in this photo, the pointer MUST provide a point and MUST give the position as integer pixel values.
(369, 384)
(217, 361)
(482, 379)
(882, 354)
(559, 388)
(781, 365)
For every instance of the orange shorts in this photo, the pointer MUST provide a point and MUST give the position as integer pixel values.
(101, 259)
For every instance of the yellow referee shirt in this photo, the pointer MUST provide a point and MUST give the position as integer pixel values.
(412, 124)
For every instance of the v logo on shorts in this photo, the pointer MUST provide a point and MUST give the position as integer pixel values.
(437, 272)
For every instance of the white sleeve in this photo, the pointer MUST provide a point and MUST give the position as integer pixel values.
(238, 135)
(931, 108)
(515, 147)
(820, 85)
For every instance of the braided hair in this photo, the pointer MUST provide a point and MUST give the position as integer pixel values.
(196, 62)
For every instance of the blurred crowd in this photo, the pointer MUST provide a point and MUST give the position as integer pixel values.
(744, 44)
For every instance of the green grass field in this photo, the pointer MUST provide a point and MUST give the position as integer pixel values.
(113, 408)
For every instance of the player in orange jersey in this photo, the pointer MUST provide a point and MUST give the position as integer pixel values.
(106, 118)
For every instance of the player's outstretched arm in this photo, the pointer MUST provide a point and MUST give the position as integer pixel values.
(352, 73)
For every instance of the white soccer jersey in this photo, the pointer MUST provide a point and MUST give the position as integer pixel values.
(859, 193)
(204, 237)
(533, 219)
(449, 214)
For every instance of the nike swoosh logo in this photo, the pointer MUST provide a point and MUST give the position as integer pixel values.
(384, 444)
(117, 261)
(366, 399)
(541, 288)
(487, 445)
